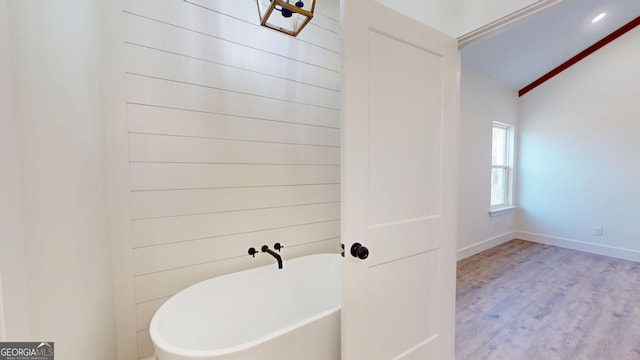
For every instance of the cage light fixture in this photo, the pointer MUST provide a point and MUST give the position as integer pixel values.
(285, 16)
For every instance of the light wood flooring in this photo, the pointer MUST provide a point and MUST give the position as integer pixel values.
(525, 301)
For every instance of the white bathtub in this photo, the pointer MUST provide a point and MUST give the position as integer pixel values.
(257, 314)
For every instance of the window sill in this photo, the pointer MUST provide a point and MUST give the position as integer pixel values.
(501, 211)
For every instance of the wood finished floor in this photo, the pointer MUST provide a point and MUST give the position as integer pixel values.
(523, 300)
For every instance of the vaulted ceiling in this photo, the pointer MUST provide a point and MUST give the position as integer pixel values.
(522, 52)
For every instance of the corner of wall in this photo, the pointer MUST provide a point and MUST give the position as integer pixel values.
(484, 245)
(577, 171)
(118, 180)
(483, 100)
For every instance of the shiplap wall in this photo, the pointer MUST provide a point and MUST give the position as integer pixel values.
(234, 142)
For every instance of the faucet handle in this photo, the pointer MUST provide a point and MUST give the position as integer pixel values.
(252, 251)
(278, 246)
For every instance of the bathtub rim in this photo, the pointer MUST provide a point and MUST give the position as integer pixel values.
(165, 346)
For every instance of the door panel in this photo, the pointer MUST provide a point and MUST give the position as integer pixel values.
(399, 185)
(392, 328)
(398, 133)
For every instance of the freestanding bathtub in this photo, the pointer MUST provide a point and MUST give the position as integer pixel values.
(257, 314)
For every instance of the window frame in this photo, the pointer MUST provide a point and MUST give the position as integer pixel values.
(507, 167)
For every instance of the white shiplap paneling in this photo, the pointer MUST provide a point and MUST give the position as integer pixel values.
(182, 95)
(150, 232)
(165, 257)
(145, 346)
(166, 121)
(162, 176)
(179, 149)
(143, 31)
(195, 18)
(234, 142)
(145, 311)
(163, 65)
(156, 204)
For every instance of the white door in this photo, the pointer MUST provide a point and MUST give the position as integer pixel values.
(399, 185)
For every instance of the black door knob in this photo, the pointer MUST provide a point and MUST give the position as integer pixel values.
(359, 251)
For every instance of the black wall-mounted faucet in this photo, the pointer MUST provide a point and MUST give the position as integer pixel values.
(266, 249)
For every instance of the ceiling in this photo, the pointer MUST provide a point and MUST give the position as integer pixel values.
(520, 53)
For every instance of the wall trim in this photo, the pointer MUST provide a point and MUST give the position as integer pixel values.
(598, 249)
(117, 145)
(488, 29)
(484, 245)
(583, 54)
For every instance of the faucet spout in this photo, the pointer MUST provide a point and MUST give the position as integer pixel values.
(266, 249)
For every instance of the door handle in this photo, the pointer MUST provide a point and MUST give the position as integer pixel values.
(359, 251)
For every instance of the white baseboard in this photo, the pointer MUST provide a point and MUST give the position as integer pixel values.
(598, 249)
(484, 245)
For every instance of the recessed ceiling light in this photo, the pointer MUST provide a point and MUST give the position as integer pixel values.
(598, 18)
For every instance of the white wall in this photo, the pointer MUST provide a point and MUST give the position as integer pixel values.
(234, 142)
(55, 54)
(13, 290)
(439, 14)
(483, 100)
(580, 154)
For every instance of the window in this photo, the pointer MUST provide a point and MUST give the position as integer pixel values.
(501, 154)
